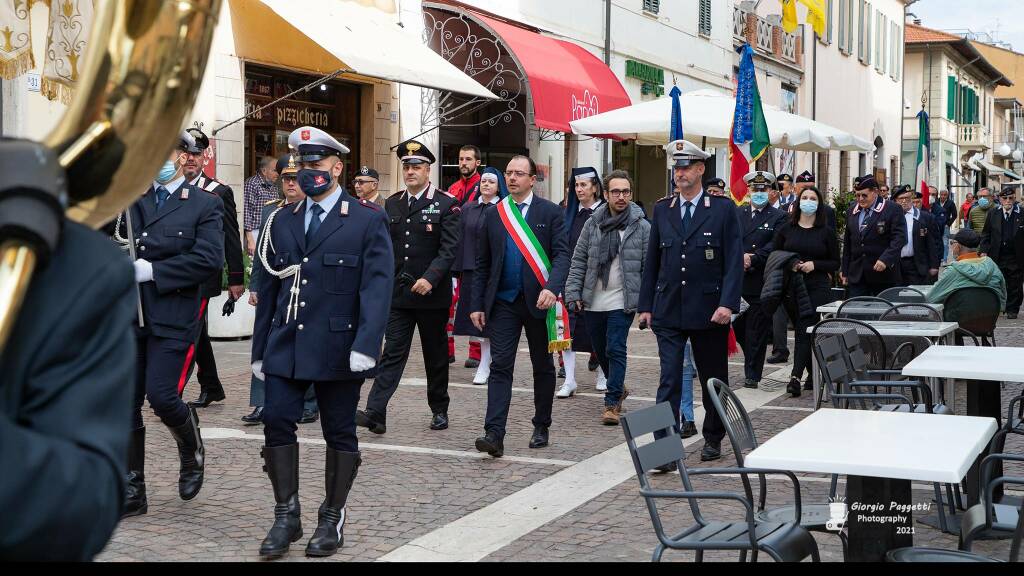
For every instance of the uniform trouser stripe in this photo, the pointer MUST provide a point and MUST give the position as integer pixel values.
(186, 370)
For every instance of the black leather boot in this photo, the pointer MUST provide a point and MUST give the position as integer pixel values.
(340, 474)
(192, 455)
(135, 502)
(281, 463)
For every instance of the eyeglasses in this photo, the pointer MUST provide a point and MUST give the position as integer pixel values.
(289, 177)
(361, 182)
(516, 173)
(618, 192)
(861, 196)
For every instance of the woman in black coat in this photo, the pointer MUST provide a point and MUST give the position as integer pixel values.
(807, 234)
(492, 190)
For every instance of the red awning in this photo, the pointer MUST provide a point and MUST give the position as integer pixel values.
(566, 81)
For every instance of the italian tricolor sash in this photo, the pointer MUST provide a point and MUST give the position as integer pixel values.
(534, 255)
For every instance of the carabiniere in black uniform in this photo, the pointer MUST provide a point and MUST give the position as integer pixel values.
(425, 233)
(179, 244)
(211, 389)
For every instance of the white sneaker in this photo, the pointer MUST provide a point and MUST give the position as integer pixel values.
(602, 381)
(480, 378)
(567, 390)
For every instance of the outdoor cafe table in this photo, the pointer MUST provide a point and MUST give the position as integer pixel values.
(832, 308)
(880, 453)
(984, 368)
(922, 288)
(934, 331)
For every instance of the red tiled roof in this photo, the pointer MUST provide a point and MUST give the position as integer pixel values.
(919, 35)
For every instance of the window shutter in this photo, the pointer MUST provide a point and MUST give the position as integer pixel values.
(951, 99)
(652, 6)
(705, 17)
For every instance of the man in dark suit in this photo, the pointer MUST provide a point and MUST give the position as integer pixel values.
(920, 256)
(68, 365)
(692, 282)
(784, 183)
(1002, 240)
(508, 296)
(179, 244)
(320, 321)
(211, 389)
(876, 231)
(425, 232)
(758, 221)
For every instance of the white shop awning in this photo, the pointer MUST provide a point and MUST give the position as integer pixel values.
(323, 36)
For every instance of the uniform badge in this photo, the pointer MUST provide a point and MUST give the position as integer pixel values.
(709, 254)
(413, 147)
(680, 146)
(184, 193)
(707, 201)
(881, 228)
(304, 134)
(430, 227)
(344, 208)
(924, 232)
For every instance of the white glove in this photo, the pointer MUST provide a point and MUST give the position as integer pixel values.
(360, 362)
(257, 370)
(143, 271)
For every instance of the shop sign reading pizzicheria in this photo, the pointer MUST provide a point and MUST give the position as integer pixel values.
(301, 115)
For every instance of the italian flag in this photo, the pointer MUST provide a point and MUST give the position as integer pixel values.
(923, 156)
(749, 137)
(533, 253)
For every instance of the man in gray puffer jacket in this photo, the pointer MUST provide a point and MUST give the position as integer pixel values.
(604, 282)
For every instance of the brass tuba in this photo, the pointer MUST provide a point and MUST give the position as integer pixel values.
(143, 68)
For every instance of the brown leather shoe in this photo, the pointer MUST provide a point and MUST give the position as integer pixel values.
(610, 416)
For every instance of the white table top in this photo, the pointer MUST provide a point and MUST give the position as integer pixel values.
(998, 363)
(833, 307)
(906, 328)
(922, 288)
(922, 447)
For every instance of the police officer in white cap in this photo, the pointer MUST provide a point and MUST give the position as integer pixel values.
(692, 282)
(320, 320)
(759, 220)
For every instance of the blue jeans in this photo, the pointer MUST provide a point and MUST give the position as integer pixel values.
(608, 332)
(945, 243)
(686, 403)
(258, 392)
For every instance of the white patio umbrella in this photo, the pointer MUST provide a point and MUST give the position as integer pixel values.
(708, 114)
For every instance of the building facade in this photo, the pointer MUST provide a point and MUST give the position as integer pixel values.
(955, 84)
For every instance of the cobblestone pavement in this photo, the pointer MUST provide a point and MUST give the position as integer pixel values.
(575, 500)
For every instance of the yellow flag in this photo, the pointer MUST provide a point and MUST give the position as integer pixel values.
(815, 15)
(789, 16)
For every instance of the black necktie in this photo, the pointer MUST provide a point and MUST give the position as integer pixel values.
(314, 223)
(161, 196)
(686, 216)
(412, 200)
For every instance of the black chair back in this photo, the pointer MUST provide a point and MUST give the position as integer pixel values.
(912, 313)
(975, 309)
(667, 448)
(863, 308)
(902, 294)
(872, 346)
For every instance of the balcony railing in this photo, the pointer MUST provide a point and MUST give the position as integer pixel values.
(975, 135)
(766, 36)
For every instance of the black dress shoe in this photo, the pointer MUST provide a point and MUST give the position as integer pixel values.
(1011, 315)
(689, 429)
(491, 444)
(749, 383)
(254, 417)
(439, 421)
(472, 363)
(451, 359)
(309, 416)
(593, 364)
(711, 451)
(365, 420)
(207, 398)
(561, 371)
(666, 468)
(793, 388)
(809, 384)
(540, 437)
(778, 358)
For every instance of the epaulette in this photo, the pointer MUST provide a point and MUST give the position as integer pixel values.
(372, 205)
(298, 206)
(446, 193)
(269, 202)
(664, 199)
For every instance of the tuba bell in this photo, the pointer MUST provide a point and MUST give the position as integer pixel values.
(143, 68)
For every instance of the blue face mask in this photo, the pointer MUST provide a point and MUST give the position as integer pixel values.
(808, 206)
(983, 203)
(759, 198)
(314, 182)
(167, 172)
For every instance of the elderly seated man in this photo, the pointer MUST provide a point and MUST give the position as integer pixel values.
(968, 270)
